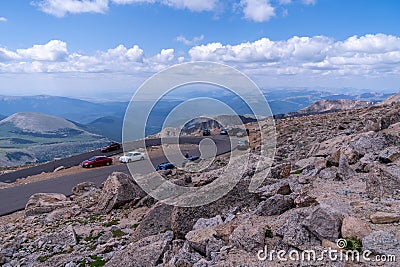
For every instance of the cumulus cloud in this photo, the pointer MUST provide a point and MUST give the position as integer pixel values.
(60, 8)
(193, 5)
(54, 50)
(361, 55)
(257, 10)
(3, 19)
(375, 55)
(194, 41)
(309, 2)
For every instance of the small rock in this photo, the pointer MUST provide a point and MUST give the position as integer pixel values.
(345, 172)
(355, 228)
(84, 187)
(204, 241)
(275, 205)
(305, 200)
(205, 223)
(281, 171)
(385, 217)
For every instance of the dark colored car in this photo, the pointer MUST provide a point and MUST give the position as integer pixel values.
(111, 147)
(224, 132)
(97, 161)
(165, 166)
(206, 132)
(194, 159)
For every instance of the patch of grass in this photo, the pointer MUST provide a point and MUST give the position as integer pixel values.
(111, 223)
(82, 263)
(353, 244)
(93, 237)
(97, 261)
(118, 233)
(297, 172)
(268, 233)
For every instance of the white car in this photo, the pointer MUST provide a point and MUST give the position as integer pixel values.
(132, 156)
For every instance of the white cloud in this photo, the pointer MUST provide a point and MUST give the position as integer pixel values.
(126, 2)
(285, 2)
(60, 8)
(257, 10)
(3, 19)
(54, 50)
(194, 41)
(309, 2)
(193, 5)
(308, 58)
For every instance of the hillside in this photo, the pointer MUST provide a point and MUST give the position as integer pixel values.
(36, 137)
(332, 105)
(110, 127)
(72, 109)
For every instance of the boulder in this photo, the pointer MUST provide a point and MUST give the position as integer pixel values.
(118, 189)
(250, 234)
(355, 228)
(324, 222)
(345, 172)
(205, 241)
(369, 142)
(275, 205)
(304, 200)
(158, 219)
(389, 155)
(383, 243)
(328, 173)
(148, 251)
(384, 217)
(206, 223)
(183, 218)
(44, 203)
(281, 187)
(333, 159)
(382, 182)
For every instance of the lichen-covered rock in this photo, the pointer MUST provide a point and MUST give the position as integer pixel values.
(44, 203)
(118, 189)
(389, 155)
(324, 222)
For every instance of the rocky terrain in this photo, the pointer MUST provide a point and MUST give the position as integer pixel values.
(335, 176)
(334, 105)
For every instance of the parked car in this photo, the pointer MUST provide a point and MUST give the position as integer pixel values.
(97, 161)
(243, 145)
(224, 132)
(165, 166)
(132, 156)
(111, 147)
(193, 159)
(206, 132)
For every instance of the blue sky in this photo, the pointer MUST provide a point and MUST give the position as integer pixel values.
(91, 47)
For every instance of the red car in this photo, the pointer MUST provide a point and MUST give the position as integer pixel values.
(111, 147)
(97, 162)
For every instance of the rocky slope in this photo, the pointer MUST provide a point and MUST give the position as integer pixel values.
(335, 176)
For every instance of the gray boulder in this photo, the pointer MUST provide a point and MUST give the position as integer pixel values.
(148, 251)
(118, 189)
(275, 205)
(41, 203)
(383, 181)
(324, 222)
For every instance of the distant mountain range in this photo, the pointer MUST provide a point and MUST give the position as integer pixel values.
(93, 124)
(37, 137)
